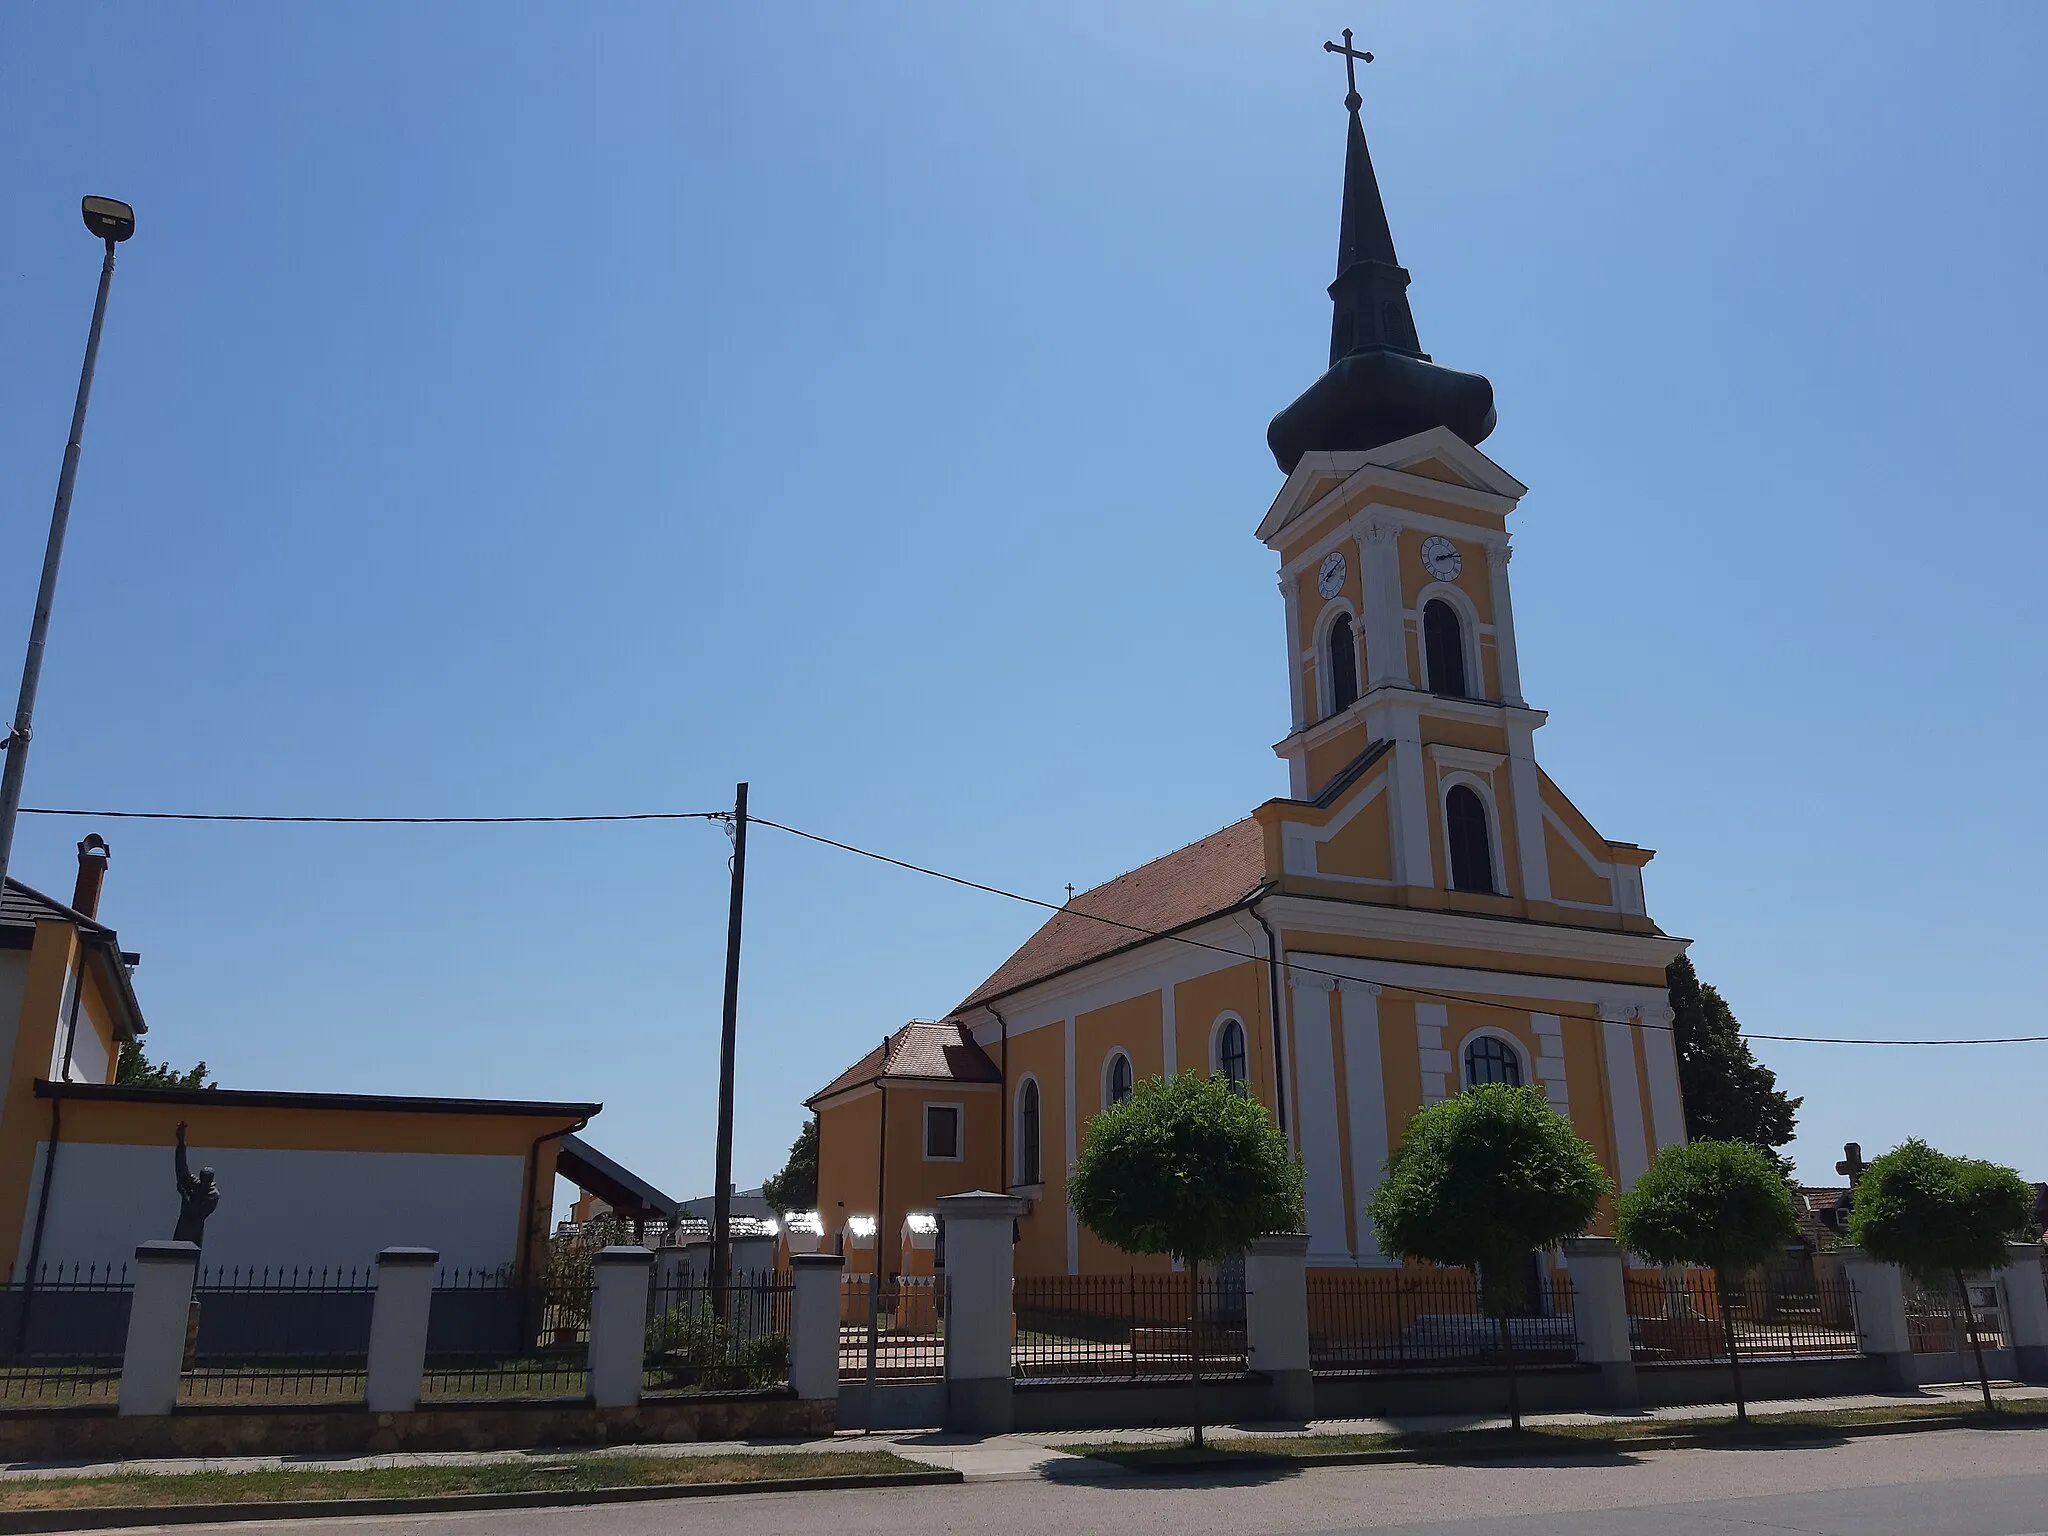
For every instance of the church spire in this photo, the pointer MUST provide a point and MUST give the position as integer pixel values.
(1381, 385)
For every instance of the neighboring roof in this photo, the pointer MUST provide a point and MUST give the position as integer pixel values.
(920, 1050)
(23, 906)
(257, 1098)
(615, 1184)
(1221, 871)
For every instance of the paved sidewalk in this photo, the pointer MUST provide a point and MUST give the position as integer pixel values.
(1000, 1457)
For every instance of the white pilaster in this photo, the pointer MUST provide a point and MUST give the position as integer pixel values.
(1316, 1115)
(979, 1320)
(1498, 554)
(1276, 1321)
(1431, 1020)
(1660, 1060)
(1379, 576)
(1297, 691)
(814, 1307)
(1169, 1032)
(1409, 805)
(1625, 1099)
(1550, 1061)
(1365, 1098)
(618, 1324)
(1525, 785)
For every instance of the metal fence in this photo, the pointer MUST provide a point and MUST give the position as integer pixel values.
(297, 1335)
(1677, 1317)
(894, 1330)
(62, 1338)
(690, 1348)
(1936, 1322)
(1410, 1320)
(1128, 1327)
(488, 1337)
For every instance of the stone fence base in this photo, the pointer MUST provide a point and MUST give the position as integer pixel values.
(94, 1433)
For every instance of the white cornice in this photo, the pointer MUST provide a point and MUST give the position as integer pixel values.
(1492, 489)
(1405, 699)
(1409, 925)
(1651, 1003)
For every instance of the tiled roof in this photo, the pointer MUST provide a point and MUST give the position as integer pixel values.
(1198, 881)
(934, 1052)
(23, 906)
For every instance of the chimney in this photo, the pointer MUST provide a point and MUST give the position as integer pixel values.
(92, 874)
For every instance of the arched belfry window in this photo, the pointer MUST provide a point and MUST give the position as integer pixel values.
(1343, 663)
(1443, 644)
(1471, 844)
(1231, 1064)
(1027, 1132)
(1490, 1059)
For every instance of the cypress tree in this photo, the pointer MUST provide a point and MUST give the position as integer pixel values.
(1729, 1094)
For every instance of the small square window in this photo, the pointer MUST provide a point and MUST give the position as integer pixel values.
(942, 1132)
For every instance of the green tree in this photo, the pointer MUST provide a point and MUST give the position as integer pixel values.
(796, 1187)
(1722, 1204)
(1190, 1168)
(1729, 1095)
(1939, 1218)
(136, 1070)
(1482, 1182)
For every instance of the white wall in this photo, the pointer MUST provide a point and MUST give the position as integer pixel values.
(281, 1207)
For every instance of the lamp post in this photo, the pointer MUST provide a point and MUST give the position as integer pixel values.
(112, 222)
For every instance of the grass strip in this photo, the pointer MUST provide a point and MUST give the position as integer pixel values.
(539, 1475)
(1588, 1439)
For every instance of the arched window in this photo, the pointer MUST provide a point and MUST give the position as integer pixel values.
(1027, 1132)
(1490, 1059)
(1230, 1057)
(1471, 846)
(1343, 663)
(1443, 645)
(1117, 1083)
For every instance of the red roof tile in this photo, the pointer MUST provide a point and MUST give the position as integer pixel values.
(1198, 881)
(922, 1050)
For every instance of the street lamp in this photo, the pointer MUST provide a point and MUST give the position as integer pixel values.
(112, 222)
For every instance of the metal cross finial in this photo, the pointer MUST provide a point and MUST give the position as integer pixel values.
(1070, 890)
(1352, 100)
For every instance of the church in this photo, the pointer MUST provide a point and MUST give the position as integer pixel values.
(1424, 911)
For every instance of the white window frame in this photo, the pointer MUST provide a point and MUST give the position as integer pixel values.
(1017, 1131)
(1482, 786)
(924, 1126)
(1326, 694)
(1467, 613)
(1228, 1017)
(1488, 1031)
(1108, 1063)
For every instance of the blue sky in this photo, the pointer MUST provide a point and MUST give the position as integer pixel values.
(506, 412)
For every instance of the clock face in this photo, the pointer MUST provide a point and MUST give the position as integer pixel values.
(1330, 579)
(1440, 558)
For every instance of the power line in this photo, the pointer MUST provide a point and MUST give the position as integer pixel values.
(1136, 929)
(1310, 970)
(398, 821)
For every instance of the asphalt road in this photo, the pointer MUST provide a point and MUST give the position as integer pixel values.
(1951, 1483)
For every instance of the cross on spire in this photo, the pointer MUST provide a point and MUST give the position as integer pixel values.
(1352, 56)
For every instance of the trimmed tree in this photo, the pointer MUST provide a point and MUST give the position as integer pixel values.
(1940, 1217)
(1484, 1182)
(1190, 1168)
(1720, 1204)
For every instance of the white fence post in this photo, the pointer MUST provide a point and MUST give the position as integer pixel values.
(978, 1227)
(618, 1325)
(1599, 1275)
(158, 1310)
(1881, 1331)
(2026, 1312)
(398, 1329)
(1276, 1321)
(815, 1279)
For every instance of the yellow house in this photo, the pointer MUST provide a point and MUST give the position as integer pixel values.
(306, 1179)
(1424, 910)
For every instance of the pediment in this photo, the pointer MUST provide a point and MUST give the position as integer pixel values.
(1433, 463)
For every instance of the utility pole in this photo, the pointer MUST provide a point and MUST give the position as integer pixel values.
(721, 1199)
(112, 222)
